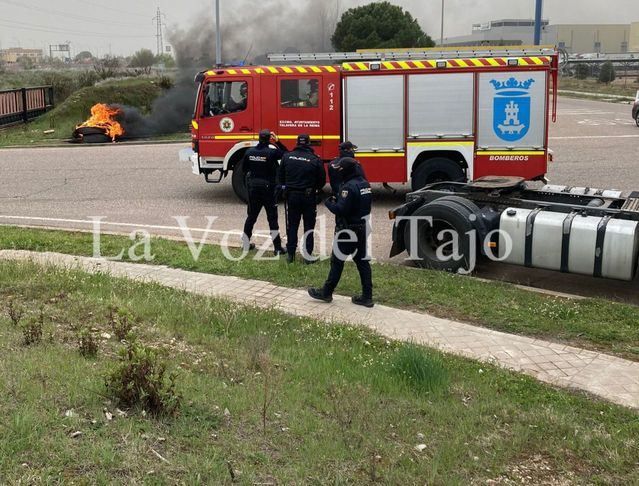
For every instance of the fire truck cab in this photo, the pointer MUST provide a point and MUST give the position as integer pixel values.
(435, 115)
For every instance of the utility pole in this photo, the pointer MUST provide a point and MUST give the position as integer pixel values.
(538, 7)
(441, 39)
(158, 35)
(218, 35)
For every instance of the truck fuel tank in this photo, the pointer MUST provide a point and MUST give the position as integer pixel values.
(569, 242)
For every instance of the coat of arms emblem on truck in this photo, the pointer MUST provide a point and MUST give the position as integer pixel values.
(511, 116)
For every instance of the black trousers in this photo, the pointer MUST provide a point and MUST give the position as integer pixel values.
(357, 250)
(262, 196)
(301, 206)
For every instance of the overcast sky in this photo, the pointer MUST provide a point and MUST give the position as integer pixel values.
(123, 26)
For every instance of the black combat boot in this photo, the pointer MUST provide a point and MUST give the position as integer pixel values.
(320, 295)
(363, 301)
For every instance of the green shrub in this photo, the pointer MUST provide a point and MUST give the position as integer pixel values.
(63, 84)
(14, 312)
(607, 73)
(107, 67)
(419, 369)
(166, 82)
(87, 343)
(121, 323)
(141, 380)
(87, 78)
(582, 71)
(32, 330)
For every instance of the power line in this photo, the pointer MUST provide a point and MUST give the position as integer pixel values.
(44, 28)
(67, 15)
(112, 9)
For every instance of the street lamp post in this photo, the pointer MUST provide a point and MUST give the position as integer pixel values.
(218, 35)
(441, 38)
(538, 7)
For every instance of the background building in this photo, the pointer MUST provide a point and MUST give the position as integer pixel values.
(634, 37)
(504, 32)
(582, 38)
(12, 55)
(574, 38)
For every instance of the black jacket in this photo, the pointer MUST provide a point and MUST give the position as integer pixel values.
(334, 176)
(260, 163)
(301, 169)
(353, 202)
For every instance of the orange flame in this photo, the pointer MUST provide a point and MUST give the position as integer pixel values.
(103, 116)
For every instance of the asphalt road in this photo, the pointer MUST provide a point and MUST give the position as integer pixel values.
(145, 187)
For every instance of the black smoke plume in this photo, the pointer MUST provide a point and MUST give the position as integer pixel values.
(257, 28)
(248, 33)
(171, 112)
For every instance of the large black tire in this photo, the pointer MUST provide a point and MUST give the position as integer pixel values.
(92, 131)
(447, 213)
(637, 119)
(438, 169)
(239, 182)
(96, 138)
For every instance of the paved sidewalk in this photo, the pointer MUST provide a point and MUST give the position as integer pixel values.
(612, 378)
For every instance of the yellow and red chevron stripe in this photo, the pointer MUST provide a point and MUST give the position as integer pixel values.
(274, 70)
(483, 62)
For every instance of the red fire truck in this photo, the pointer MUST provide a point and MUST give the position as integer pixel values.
(434, 115)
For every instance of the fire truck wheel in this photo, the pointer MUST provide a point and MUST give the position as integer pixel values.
(449, 242)
(438, 169)
(239, 183)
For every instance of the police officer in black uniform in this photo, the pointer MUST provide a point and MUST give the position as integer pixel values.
(351, 208)
(346, 149)
(260, 165)
(301, 178)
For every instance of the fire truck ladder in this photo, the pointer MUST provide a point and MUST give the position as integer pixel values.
(425, 54)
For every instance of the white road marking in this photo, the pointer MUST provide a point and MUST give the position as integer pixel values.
(578, 137)
(606, 122)
(128, 225)
(583, 112)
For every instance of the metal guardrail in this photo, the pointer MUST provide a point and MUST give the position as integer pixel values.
(23, 104)
(601, 60)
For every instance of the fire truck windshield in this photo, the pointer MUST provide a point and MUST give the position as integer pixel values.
(224, 97)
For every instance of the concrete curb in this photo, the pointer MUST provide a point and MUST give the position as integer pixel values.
(596, 95)
(66, 143)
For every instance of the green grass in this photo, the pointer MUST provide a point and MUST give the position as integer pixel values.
(422, 372)
(336, 411)
(591, 323)
(616, 88)
(138, 92)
